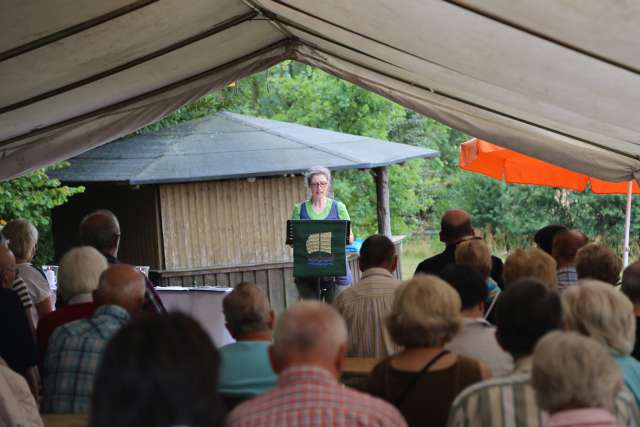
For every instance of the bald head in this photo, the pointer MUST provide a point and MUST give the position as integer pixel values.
(309, 332)
(101, 230)
(565, 246)
(122, 285)
(7, 267)
(455, 225)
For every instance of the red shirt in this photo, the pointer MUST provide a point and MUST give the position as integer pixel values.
(311, 396)
(51, 321)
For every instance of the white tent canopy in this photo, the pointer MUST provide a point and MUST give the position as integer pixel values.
(555, 79)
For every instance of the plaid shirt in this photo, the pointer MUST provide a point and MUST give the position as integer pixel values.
(567, 276)
(310, 396)
(75, 351)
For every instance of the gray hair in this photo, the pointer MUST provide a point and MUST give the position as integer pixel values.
(571, 371)
(79, 272)
(99, 228)
(600, 311)
(425, 313)
(308, 328)
(22, 236)
(317, 170)
(246, 309)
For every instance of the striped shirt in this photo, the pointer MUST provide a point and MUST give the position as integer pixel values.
(308, 395)
(23, 293)
(72, 359)
(511, 402)
(364, 308)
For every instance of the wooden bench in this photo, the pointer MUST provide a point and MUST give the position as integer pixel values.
(359, 366)
(65, 420)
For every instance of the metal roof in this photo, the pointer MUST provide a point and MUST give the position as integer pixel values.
(228, 145)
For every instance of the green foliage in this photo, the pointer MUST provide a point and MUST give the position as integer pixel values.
(420, 190)
(32, 197)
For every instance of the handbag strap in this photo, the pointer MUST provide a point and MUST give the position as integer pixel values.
(414, 380)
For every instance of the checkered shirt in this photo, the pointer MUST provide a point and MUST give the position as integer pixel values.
(310, 396)
(567, 276)
(72, 359)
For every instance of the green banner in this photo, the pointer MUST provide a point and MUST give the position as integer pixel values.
(319, 248)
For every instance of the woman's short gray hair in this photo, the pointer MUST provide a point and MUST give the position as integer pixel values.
(602, 312)
(317, 170)
(571, 371)
(22, 236)
(425, 313)
(79, 272)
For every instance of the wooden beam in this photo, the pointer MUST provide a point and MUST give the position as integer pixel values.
(381, 177)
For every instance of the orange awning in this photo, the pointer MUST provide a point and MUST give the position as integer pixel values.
(500, 163)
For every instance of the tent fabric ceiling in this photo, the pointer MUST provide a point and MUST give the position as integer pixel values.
(556, 79)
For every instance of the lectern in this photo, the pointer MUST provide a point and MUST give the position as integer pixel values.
(318, 250)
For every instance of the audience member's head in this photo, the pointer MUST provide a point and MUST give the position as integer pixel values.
(455, 225)
(101, 230)
(79, 272)
(247, 312)
(471, 288)
(425, 313)
(311, 333)
(525, 312)
(530, 263)
(7, 267)
(565, 246)
(122, 285)
(158, 371)
(378, 251)
(594, 261)
(571, 371)
(544, 236)
(23, 239)
(598, 310)
(474, 253)
(631, 282)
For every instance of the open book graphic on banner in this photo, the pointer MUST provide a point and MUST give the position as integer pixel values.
(318, 247)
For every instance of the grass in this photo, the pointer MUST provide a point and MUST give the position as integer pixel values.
(415, 250)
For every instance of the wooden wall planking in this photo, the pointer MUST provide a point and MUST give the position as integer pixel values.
(225, 223)
(275, 279)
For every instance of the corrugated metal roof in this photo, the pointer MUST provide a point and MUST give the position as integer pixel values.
(228, 145)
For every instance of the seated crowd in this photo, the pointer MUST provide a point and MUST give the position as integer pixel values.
(546, 339)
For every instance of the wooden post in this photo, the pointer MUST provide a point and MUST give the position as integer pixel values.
(381, 177)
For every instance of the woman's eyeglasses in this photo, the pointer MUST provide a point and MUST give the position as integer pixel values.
(318, 184)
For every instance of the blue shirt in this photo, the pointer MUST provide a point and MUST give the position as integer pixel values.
(245, 369)
(72, 359)
(631, 372)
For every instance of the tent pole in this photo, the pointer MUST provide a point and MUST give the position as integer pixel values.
(627, 225)
(381, 177)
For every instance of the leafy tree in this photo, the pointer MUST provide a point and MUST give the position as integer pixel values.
(32, 197)
(420, 190)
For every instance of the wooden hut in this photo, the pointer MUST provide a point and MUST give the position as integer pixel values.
(206, 201)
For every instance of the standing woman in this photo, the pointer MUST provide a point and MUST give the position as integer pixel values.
(23, 240)
(319, 207)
